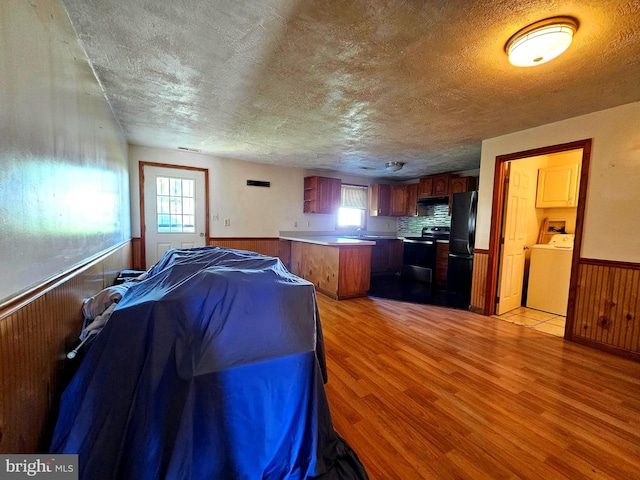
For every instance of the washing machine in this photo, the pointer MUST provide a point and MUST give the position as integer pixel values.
(549, 275)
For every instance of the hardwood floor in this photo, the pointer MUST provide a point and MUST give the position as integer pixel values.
(426, 392)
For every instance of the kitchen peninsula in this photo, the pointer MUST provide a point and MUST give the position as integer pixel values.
(339, 267)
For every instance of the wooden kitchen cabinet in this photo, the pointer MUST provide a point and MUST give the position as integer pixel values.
(434, 186)
(441, 185)
(398, 200)
(461, 184)
(425, 187)
(321, 194)
(558, 186)
(412, 200)
(379, 200)
(337, 271)
(442, 261)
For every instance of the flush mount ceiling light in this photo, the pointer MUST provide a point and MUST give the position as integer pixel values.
(394, 166)
(540, 42)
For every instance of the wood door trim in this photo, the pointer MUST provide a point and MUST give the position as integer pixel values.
(141, 165)
(496, 221)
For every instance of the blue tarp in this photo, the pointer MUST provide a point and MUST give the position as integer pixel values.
(211, 368)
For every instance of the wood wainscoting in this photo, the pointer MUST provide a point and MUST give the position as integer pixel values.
(607, 307)
(37, 329)
(606, 310)
(479, 280)
(273, 247)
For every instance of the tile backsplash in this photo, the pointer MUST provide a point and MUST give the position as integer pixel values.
(437, 215)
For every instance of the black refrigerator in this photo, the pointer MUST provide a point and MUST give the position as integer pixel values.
(461, 241)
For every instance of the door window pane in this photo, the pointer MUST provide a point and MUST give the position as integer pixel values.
(176, 187)
(188, 225)
(163, 224)
(188, 206)
(163, 205)
(163, 186)
(176, 205)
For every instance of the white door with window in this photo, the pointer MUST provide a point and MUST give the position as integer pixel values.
(174, 210)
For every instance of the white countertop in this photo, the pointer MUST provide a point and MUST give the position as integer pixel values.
(331, 241)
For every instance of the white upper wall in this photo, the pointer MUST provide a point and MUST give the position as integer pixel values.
(252, 211)
(611, 223)
(64, 187)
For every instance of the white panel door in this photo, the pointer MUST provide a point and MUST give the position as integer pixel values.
(518, 199)
(174, 210)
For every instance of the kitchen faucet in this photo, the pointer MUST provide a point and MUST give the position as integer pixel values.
(357, 231)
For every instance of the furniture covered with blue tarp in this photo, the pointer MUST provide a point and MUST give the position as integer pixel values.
(211, 368)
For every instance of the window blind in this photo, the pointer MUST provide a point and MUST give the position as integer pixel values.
(354, 196)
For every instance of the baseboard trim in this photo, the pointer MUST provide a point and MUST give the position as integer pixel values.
(606, 348)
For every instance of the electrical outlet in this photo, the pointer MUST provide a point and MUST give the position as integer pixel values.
(215, 217)
(227, 222)
(295, 224)
(308, 224)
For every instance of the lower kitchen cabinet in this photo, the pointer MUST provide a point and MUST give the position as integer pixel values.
(337, 271)
(442, 261)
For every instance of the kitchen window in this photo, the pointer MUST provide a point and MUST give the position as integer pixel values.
(353, 206)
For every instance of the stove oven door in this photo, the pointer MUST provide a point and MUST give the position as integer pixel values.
(419, 259)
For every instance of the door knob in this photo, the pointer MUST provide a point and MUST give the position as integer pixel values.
(526, 247)
(201, 234)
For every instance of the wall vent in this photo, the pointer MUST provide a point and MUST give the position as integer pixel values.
(258, 183)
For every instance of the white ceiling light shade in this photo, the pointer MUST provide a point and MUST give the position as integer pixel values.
(394, 166)
(540, 42)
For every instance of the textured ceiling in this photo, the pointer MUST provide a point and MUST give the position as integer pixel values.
(349, 85)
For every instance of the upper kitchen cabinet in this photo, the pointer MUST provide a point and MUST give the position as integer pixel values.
(379, 200)
(425, 187)
(434, 186)
(558, 186)
(461, 184)
(398, 200)
(321, 194)
(441, 185)
(412, 200)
